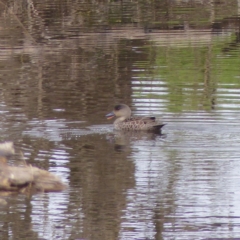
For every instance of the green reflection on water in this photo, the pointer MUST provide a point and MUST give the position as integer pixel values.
(193, 74)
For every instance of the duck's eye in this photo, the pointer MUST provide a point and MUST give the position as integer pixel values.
(118, 107)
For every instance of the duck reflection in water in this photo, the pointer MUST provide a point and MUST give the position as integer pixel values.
(133, 128)
(123, 140)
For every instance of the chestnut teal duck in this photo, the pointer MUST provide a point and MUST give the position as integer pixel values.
(125, 121)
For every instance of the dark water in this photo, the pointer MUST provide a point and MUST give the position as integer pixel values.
(63, 66)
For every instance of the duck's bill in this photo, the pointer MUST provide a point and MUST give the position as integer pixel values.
(110, 115)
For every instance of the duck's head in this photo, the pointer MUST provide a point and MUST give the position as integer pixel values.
(120, 111)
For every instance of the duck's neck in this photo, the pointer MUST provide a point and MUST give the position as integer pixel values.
(119, 120)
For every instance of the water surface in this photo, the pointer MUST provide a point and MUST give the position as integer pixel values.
(63, 66)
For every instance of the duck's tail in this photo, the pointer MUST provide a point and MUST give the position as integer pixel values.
(158, 128)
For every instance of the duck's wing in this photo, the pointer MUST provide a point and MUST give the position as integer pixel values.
(143, 123)
(153, 123)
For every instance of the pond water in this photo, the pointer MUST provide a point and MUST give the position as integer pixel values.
(65, 64)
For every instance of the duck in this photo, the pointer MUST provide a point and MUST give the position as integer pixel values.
(125, 121)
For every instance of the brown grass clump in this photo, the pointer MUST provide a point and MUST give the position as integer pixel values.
(25, 178)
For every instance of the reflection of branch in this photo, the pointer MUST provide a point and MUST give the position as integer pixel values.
(33, 8)
(35, 12)
(19, 22)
